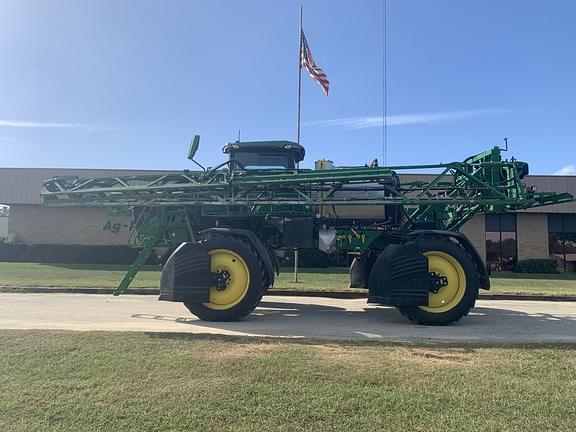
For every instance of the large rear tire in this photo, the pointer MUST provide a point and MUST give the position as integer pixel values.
(454, 300)
(245, 278)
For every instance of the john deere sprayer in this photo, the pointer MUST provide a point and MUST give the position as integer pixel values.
(226, 224)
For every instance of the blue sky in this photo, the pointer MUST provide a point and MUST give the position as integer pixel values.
(126, 83)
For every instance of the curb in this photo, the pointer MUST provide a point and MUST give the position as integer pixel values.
(325, 294)
(74, 290)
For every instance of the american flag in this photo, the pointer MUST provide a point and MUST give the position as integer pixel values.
(307, 61)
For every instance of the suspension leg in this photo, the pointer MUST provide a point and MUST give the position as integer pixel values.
(145, 251)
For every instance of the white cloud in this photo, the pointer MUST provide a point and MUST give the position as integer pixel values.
(405, 119)
(32, 124)
(567, 170)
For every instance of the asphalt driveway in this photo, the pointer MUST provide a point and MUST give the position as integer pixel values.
(293, 317)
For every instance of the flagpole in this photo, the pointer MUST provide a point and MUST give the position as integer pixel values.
(299, 77)
(298, 118)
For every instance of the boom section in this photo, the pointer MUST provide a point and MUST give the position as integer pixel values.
(451, 196)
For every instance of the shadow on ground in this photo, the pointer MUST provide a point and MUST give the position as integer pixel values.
(295, 320)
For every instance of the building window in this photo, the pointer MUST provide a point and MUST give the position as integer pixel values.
(501, 248)
(562, 240)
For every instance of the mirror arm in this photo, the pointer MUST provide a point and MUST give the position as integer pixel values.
(203, 169)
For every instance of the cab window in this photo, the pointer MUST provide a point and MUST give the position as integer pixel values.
(256, 161)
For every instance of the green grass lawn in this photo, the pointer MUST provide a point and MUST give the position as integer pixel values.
(67, 381)
(331, 279)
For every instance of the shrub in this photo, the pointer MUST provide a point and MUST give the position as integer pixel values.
(543, 265)
(12, 252)
(70, 254)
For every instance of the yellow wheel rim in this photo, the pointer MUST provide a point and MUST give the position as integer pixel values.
(238, 283)
(449, 296)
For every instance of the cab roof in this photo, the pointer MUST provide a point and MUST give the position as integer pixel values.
(292, 146)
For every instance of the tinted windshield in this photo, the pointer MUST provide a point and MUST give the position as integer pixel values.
(253, 160)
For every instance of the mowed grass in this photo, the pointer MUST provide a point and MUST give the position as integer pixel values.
(329, 279)
(68, 381)
(74, 275)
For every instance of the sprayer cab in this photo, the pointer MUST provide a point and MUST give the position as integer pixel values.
(264, 155)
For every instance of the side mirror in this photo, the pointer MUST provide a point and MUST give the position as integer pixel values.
(193, 147)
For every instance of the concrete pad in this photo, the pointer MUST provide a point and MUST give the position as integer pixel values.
(293, 317)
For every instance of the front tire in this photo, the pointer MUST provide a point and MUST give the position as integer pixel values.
(244, 281)
(458, 297)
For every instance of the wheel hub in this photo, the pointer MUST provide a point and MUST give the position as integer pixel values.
(437, 281)
(221, 279)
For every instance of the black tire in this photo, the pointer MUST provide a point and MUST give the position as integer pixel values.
(462, 296)
(253, 289)
(266, 283)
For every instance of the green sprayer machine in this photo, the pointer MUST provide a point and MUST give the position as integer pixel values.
(226, 223)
